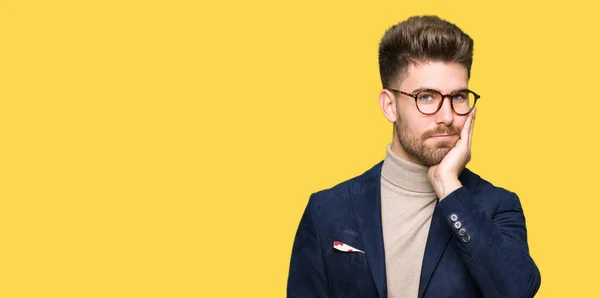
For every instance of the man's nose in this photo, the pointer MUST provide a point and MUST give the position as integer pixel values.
(445, 114)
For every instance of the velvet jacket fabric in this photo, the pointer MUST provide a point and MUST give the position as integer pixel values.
(476, 247)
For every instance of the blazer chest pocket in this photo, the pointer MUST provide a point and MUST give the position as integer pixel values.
(350, 256)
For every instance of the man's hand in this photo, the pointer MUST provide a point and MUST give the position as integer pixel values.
(444, 176)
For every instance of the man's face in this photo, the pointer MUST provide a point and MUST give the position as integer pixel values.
(426, 139)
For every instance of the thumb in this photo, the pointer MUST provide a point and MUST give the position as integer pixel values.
(430, 172)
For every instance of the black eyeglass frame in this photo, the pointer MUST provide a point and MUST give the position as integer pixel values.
(416, 96)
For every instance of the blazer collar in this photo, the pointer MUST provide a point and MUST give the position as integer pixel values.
(437, 240)
(440, 234)
(366, 206)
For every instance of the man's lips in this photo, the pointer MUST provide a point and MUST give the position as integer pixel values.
(443, 136)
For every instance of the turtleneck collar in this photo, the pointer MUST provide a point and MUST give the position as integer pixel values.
(405, 174)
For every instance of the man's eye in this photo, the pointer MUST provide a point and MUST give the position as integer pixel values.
(460, 96)
(425, 97)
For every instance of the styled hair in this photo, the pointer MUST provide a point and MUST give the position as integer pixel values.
(420, 39)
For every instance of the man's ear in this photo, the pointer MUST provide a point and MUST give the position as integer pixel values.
(387, 102)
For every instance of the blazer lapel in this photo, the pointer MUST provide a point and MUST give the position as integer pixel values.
(367, 213)
(437, 240)
(440, 235)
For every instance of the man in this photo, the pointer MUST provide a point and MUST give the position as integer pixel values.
(418, 224)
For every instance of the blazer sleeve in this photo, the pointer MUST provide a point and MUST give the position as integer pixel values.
(307, 275)
(494, 247)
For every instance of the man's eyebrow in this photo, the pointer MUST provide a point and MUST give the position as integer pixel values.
(426, 88)
(459, 90)
(420, 89)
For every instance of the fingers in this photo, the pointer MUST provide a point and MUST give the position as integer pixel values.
(471, 125)
(466, 129)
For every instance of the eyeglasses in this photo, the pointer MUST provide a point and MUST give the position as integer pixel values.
(430, 101)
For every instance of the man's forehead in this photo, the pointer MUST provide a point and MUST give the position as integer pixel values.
(441, 76)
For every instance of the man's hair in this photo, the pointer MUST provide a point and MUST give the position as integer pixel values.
(420, 39)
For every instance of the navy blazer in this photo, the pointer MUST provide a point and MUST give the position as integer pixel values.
(485, 254)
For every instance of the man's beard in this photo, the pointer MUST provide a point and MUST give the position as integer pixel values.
(415, 146)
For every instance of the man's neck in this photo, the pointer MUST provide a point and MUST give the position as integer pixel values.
(404, 173)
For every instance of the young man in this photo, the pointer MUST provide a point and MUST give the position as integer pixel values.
(418, 224)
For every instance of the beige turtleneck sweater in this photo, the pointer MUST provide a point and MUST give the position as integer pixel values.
(407, 204)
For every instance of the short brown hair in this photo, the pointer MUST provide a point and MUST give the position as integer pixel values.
(422, 38)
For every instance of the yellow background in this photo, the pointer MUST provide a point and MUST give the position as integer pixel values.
(168, 148)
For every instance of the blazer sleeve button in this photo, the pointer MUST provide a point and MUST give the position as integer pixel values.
(457, 225)
(466, 239)
(453, 217)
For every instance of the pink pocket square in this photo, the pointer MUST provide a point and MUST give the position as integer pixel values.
(341, 246)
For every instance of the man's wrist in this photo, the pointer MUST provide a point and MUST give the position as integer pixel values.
(447, 187)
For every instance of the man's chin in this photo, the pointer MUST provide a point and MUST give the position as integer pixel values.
(446, 142)
(437, 155)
